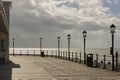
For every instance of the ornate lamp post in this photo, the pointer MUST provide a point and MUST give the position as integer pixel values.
(13, 45)
(40, 45)
(68, 36)
(58, 38)
(84, 36)
(112, 27)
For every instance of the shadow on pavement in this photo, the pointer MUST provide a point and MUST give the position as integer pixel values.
(6, 70)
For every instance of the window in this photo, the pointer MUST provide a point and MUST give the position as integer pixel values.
(2, 45)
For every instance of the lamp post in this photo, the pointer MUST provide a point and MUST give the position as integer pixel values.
(68, 36)
(58, 38)
(112, 27)
(40, 45)
(13, 45)
(84, 36)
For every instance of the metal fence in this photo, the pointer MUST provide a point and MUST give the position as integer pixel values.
(101, 61)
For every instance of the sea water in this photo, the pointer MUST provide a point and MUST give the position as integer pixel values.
(94, 51)
(99, 51)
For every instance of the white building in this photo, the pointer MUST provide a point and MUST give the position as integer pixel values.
(4, 31)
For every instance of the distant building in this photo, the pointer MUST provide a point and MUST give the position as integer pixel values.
(4, 30)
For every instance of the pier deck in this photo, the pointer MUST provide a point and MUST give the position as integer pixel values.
(40, 68)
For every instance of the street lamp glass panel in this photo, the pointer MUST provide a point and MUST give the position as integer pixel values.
(40, 38)
(84, 33)
(69, 36)
(112, 27)
(58, 38)
(13, 39)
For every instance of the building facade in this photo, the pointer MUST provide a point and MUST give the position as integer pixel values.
(4, 31)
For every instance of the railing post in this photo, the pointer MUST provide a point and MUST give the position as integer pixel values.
(56, 54)
(72, 56)
(44, 52)
(47, 53)
(66, 55)
(34, 52)
(27, 52)
(63, 55)
(20, 52)
(117, 61)
(96, 60)
(104, 62)
(76, 57)
(51, 53)
(60, 54)
(69, 56)
(40, 52)
(80, 57)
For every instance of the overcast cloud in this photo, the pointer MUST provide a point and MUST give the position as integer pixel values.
(32, 19)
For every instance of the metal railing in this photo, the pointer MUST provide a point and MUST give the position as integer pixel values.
(101, 61)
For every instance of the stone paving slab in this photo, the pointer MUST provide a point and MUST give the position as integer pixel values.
(26, 70)
(47, 68)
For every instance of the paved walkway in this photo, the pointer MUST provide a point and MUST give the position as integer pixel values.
(38, 68)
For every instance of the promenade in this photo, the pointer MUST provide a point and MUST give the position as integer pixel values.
(47, 68)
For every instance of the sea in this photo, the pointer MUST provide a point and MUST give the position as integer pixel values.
(94, 51)
(99, 51)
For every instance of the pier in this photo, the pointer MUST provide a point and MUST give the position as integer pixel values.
(48, 68)
(103, 61)
(35, 24)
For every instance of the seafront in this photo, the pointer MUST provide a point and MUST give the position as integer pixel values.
(48, 68)
(99, 60)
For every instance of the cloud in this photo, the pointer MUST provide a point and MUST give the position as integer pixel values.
(113, 1)
(33, 2)
(31, 19)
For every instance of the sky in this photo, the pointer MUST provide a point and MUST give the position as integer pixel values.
(48, 19)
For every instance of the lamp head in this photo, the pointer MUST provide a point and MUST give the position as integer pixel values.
(58, 38)
(40, 38)
(69, 36)
(84, 33)
(112, 27)
(13, 39)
